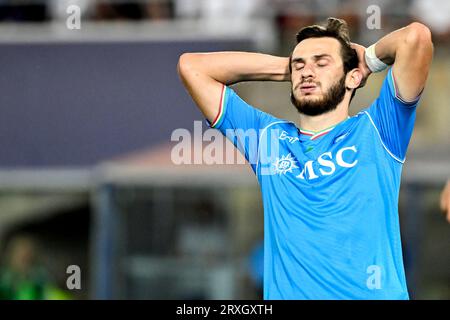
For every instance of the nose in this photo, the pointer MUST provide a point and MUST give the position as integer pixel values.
(307, 72)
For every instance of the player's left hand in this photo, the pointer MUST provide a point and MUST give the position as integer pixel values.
(445, 200)
(360, 50)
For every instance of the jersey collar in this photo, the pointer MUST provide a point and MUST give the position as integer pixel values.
(316, 134)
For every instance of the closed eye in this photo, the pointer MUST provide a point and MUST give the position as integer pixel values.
(322, 63)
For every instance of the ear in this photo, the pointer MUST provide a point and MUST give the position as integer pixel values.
(354, 79)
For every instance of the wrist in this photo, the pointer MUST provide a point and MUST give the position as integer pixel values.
(286, 69)
(372, 61)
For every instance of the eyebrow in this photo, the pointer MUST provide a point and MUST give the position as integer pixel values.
(316, 57)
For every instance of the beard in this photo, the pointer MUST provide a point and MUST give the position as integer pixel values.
(328, 103)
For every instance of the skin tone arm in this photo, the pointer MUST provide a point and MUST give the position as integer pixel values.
(445, 201)
(410, 50)
(204, 74)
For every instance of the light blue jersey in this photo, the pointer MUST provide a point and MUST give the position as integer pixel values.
(331, 227)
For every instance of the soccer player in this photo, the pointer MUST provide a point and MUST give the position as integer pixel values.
(330, 185)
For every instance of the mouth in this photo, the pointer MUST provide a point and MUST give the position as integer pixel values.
(307, 88)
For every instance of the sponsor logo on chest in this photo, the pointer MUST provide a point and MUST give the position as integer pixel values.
(325, 165)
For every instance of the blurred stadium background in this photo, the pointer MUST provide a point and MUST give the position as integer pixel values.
(86, 176)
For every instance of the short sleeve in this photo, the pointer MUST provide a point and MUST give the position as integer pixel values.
(241, 123)
(393, 118)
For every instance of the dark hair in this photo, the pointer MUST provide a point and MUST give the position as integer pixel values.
(337, 29)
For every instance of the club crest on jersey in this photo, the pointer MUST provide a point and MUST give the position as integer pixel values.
(284, 164)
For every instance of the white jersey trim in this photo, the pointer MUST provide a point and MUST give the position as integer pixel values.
(379, 136)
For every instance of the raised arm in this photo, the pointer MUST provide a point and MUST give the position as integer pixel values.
(205, 74)
(410, 50)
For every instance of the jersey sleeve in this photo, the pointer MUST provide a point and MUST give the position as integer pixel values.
(393, 118)
(240, 123)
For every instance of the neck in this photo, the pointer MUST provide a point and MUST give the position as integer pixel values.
(326, 120)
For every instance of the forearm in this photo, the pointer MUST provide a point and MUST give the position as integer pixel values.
(410, 50)
(232, 67)
(406, 39)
